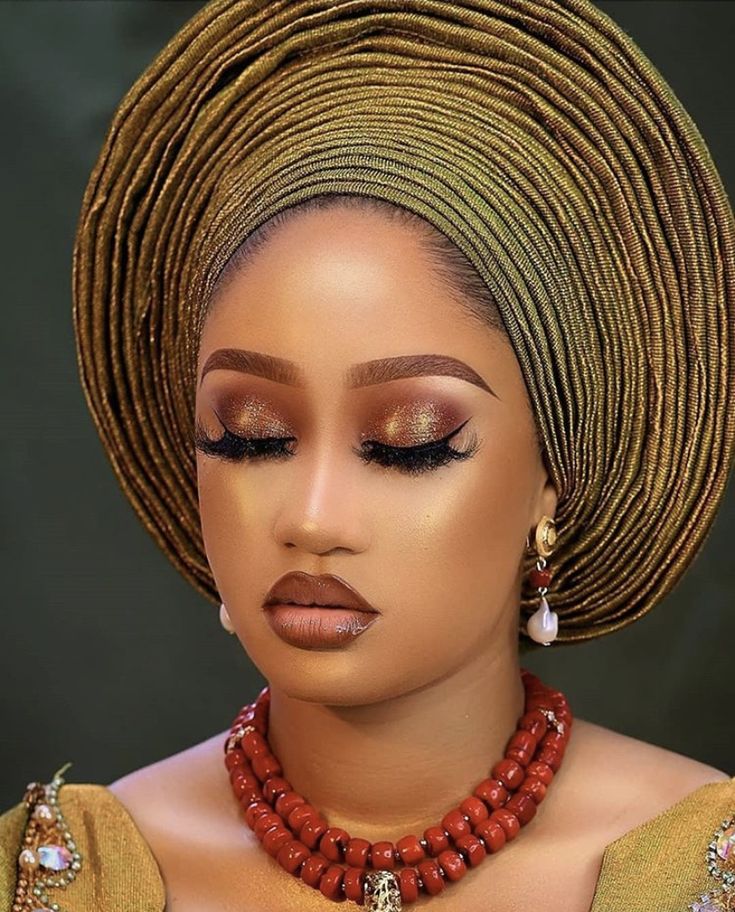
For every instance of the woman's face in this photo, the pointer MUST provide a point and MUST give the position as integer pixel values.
(437, 551)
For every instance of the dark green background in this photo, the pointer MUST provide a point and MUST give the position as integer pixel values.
(109, 659)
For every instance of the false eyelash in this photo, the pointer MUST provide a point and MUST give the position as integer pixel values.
(417, 459)
(233, 447)
(410, 460)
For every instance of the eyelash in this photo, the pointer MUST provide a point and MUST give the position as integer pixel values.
(410, 460)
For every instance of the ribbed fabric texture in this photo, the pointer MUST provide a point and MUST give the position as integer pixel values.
(659, 866)
(540, 139)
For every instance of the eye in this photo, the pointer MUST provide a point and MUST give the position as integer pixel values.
(409, 460)
(234, 448)
(417, 459)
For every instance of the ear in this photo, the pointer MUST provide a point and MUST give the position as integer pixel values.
(547, 498)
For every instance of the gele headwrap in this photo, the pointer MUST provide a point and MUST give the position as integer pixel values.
(540, 139)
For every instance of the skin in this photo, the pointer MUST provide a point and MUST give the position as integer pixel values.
(388, 732)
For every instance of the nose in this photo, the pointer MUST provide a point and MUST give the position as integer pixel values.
(321, 509)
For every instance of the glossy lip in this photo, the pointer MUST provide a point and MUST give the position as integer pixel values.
(314, 612)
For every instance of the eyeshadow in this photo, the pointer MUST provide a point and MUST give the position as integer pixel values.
(251, 416)
(413, 423)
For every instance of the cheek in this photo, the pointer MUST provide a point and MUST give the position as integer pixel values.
(233, 521)
(453, 547)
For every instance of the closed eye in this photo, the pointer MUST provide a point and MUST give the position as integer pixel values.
(413, 460)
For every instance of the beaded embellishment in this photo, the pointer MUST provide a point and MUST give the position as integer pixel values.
(721, 866)
(49, 857)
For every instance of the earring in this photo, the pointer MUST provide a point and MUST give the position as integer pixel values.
(224, 619)
(543, 625)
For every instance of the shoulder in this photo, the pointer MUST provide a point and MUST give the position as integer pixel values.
(183, 807)
(75, 844)
(629, 780)
(657, 813)
(177, 791)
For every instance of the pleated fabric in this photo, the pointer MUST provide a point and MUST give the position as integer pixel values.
(540, 139)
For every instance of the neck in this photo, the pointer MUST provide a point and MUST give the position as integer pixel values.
(387, 769)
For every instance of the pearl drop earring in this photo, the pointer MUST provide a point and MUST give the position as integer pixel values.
(224, 619)
(543, 625)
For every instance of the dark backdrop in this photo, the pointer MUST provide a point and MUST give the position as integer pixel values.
(109, 659)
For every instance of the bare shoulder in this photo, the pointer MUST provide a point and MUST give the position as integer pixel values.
(185, 790)
(629, 780)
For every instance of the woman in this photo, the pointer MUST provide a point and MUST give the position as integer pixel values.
(407, 328)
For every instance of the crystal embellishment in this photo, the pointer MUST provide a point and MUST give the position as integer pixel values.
(49, 857)
(54, 857)
(725, 845)
(721, 866)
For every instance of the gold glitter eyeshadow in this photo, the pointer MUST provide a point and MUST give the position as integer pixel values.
(251, 417)
(411, 424)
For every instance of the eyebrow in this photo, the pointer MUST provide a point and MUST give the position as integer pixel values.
(368, 373)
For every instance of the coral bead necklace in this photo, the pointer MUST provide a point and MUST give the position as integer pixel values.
(383, 876)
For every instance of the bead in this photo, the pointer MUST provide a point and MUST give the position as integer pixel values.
(475, 809)
(523, 807)
(354, 884)
(330, 884)
(551, 758)
(452, 864)
(44, 814)
(534, 788)
(539, 579)
(357, 852)
(436, 840)
(430, 874)
(292, 856)
(312, 831)
(234, 758)
(492, 834)
(408, 884)
(510, 773)
(248, 794)
(266, 765)
(525, 740)
(333, 845)
(555, 740)
(274, 839)
(541, 771)
(256, 809)
(508, 821)
(492, 792)
(410, 849)
(313, 868)
(274, 787)
(253, 744)
(472, 849)
(286, 802)
(265, 822)
(521, 757)
(382, 856)
(300, 814)
(455, 824)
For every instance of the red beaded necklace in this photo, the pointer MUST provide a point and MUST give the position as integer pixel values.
(383, 875)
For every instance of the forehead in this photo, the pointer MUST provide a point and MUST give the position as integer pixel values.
(332, 289)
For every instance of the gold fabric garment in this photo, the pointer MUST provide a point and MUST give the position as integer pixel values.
(659, 866)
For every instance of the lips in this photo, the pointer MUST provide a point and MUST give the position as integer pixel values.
(326, 591)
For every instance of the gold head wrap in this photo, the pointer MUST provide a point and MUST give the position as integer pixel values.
(534, 134)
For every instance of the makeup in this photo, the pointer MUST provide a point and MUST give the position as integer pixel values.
(316, 612)
(317, 627)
